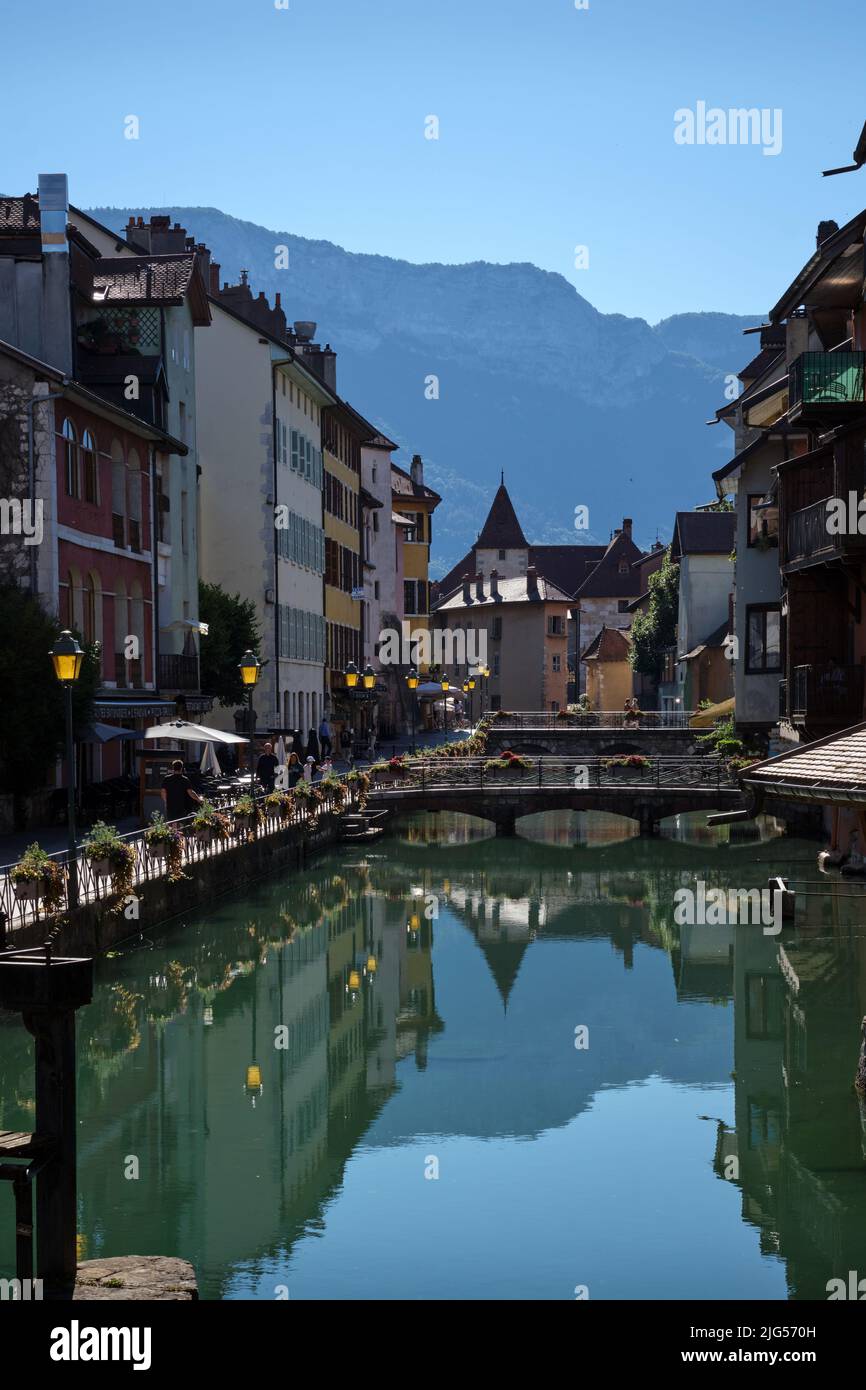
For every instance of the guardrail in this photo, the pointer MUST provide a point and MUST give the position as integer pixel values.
(594, 719)
(430, 774)
(92, 887)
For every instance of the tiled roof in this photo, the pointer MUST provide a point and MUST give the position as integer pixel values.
(510, 591)
(717, 638)
(402, 485)
(565, 565)
(20, 215)
(142, 279)
(502, 530)
(605, 580)
(837, 762)
(703, 533)
(608, 645)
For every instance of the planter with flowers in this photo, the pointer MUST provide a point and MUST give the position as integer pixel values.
(165, 842)
(247, 815)
(37, 876)
(387, 773)
(209, 824)
(110, 856)
(508, 764)
(628, 767)
(278, 804)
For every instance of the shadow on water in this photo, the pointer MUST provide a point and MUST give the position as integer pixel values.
(285, 1068)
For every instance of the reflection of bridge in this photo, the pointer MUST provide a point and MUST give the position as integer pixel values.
(665, 787)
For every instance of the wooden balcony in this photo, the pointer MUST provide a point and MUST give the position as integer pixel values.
(809, 539)
(827, 696)
(826, 386)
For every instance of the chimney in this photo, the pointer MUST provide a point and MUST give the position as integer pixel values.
(467, 590)
(494, 583)
(626, 526)
(305, 330)
(825, 230)
(56, 311)
(532, 581)
(202, 255)
(416, 470)
(479, 587)
(214, 287)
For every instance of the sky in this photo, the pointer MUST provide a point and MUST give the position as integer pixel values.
(556, 129)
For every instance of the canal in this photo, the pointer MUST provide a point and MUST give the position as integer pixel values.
(453, 1066)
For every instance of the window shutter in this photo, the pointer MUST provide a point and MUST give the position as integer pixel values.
(295, 438)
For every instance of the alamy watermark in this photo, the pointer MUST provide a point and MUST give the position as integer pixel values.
(19, 518)
(722, 907)
(739, 125)
(442, 647)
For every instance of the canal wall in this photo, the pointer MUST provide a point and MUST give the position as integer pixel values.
(92, 928)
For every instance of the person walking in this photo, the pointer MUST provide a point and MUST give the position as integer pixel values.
(313, 746)
(309, 769)
(178, 793)
(325, 737)
(295, 769)
(347, 744)
(266, 767)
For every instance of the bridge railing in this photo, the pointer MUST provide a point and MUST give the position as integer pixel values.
(595, 719)
(553, 772)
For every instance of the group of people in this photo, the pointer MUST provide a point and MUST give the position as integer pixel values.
(305, 760)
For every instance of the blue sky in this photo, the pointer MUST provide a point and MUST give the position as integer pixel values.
(556, 129)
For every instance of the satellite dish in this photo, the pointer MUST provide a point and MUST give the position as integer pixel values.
(859, 158)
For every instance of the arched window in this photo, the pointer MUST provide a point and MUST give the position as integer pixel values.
(133, 500)
(70, 457)
(89, 468)
(118, 495)
(136, 629)
(90, 605)
(75, 602)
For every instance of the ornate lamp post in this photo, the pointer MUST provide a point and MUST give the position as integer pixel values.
(469, 686)
(483, 673)
(250, 669)
(412, 683)
(67, 657)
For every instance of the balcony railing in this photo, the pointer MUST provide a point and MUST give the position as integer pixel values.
(827, 693)
(127, 673)
(178, 672)
(826, 383)
(118, 531)
(808, 536)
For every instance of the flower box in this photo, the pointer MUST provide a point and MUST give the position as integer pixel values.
(205, 834)
(27, 890)
(101, 868)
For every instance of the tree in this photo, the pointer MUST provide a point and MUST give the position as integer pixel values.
(232, 628)
(656, 628)
(32, 703)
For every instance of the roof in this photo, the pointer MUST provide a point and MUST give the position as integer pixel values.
(610, 644)
(502, 530)
(20, 215)
(817, 266)
(403, 486)
(830, 769)
(510, 591)
(605, 580)
(565, 565)
(717, 638)
(703, 533)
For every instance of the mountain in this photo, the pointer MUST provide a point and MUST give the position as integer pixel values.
(576, 406)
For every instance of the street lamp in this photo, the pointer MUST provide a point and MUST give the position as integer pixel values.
(468, 687)
(351, 675)
(446, 686)
(250, 669)
(412, 683)
(369, 677)
(483, 673)
(67, 657)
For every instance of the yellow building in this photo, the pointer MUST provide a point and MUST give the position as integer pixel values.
(342, 436)
(609, 676)
(416, 502)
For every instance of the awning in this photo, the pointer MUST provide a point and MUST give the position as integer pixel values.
(105, 733)
(706, 718)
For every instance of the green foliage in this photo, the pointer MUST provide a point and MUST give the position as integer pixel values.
(33, 707)
(232, 628)
(656, 628)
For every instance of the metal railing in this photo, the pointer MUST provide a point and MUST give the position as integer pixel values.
(808, 535)
(177, 672)
(580, 774)
(826, 379)
(595, 719)
(93, 887)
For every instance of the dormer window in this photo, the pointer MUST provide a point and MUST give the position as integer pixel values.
(623, 566)
(502, 554)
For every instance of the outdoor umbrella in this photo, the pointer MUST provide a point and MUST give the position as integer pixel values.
(104, 733)
(184, 732)
(280, 750)
(210, 761)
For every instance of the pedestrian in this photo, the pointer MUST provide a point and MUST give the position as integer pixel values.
(309, 769)
(347, 744)
(266, 768)
(313, 746)
(294, 769)
(178, 793)
(325, 737)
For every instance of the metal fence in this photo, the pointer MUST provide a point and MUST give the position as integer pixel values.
(595, 719)
(17, 911)
(430, 774)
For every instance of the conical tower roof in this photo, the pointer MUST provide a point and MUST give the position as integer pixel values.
(502, 530)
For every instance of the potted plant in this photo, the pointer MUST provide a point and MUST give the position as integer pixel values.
(37, 875)
(246, 814)
(508, 762)
(165, 841)
(208, 824)
(278, 803)
(110, 856)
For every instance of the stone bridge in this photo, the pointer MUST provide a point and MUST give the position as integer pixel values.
(594, 735)
(666, 787)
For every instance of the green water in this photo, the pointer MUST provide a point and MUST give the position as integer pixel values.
(431, 1130)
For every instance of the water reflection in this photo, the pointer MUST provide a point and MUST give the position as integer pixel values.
(284, 1067)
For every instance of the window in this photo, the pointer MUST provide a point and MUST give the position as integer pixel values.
(181, 409)
(623, 567)
(502, 554)
(184, 523)
(763, 522)
(118, 495)
(556, 626)
(764, 639)
(89, 469)
(414, 596)
(375, 588)
(622, 605)
(415, 532)
(556, 661)
(133, 499)
(496, 631)
(496, 663)
(70, 452)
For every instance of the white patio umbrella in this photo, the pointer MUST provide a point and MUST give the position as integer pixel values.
(280, 750)
(185, 732)
(210, 761)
